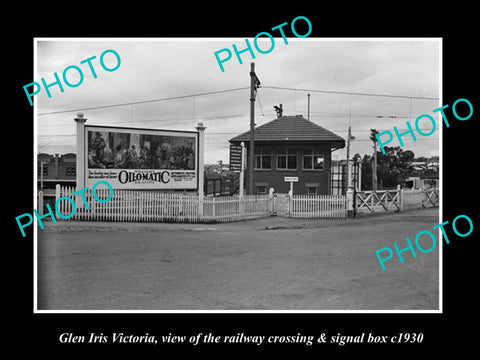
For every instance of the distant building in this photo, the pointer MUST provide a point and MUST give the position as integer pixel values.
(219, 180)
(427, 168)
(292, 146)
(55, 169)
(418, 183)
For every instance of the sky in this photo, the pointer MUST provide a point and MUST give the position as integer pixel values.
(337, 73)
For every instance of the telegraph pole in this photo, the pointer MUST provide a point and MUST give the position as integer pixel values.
(349, 136)
(373, 137)
(254, 84)
(41, 174)
(374, 178)
(308, 108)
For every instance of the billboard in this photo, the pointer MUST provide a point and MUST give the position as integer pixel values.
(131, 158)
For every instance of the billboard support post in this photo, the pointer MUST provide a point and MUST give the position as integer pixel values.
(80, 132)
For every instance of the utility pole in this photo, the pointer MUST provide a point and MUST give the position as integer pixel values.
(373, 137)
(254, 84)
(41, 174)
(242, 171)
(201, 166)
(308, 110)
(349, 167)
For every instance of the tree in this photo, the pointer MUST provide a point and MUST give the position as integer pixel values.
(356, 157)
(366, 172)
(393, 167)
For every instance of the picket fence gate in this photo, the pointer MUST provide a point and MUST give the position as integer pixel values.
(318, 206)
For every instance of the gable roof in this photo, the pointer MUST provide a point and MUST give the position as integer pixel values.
(291, 128)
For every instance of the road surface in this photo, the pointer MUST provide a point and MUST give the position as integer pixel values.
(266, 264)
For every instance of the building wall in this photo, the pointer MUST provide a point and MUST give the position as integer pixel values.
(274, 178)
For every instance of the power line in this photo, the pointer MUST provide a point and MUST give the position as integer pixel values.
(260, 104)
(226, 133)
(237, 89)
(349, 93)
(145, 101)
(221, 117)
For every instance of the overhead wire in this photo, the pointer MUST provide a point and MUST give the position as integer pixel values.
(350, 93)
(144, 101)
(222, 117)
(238, 89)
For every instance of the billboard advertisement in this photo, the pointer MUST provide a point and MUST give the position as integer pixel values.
(131, 158)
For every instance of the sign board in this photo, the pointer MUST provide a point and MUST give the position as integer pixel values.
(291, 179)
(130, 158)
(235, 157)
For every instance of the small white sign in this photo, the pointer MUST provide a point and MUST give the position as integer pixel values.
(291, 179)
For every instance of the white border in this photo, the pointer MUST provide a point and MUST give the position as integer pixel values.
(35, 179)
(35, 122)
(440, 187)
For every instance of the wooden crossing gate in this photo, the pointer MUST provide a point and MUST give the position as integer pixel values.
(395, 200)
(374, 201)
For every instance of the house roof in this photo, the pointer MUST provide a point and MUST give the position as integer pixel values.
(291, 128)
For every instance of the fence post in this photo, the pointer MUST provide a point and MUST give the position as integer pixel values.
(350, 211)
(241, 205)
(290, 204)
(355, 201)
(200, 206)
(57, 196)
(271, 201)
(40, 203)
(424, 200)
(201, 144)
(400, 197)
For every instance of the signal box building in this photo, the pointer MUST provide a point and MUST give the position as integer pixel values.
(291, 146)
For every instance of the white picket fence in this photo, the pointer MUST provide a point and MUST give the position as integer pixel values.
(151, 206)
(318, 206)
(133, 205)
